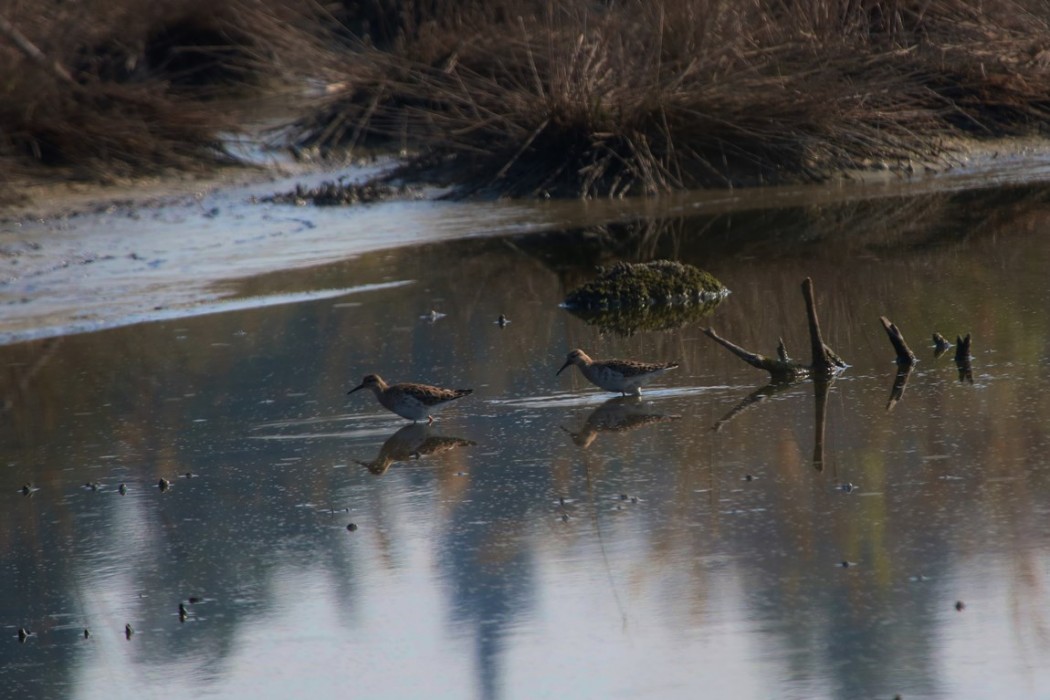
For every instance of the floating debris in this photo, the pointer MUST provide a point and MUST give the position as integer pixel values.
(960, 606)
(163, 484)
(433, 316)
(183, 613)
(123, 489)
(847, 564)
(352, 527)
(502, 321)
(940, 345)
(846, 487)
(330, 193)
(23, 634)
(824, 363)
(27, 489)
(905, 355)
(128, 631)
(87, 633)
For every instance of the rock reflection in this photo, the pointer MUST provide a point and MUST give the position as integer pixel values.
(616, 415)
(413, 441)
(628, 321)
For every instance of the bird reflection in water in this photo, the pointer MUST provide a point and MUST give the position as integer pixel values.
(616, 415)
(413, 441)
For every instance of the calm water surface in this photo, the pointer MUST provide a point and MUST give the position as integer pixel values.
(544, 539)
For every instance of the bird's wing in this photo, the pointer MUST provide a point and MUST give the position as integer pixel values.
(432, 395)
(630, 368)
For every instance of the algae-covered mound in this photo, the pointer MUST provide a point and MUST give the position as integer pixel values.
(655, 296)
(638, 285)
(628, 321)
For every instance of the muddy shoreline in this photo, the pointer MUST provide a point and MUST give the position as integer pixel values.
(78, 258)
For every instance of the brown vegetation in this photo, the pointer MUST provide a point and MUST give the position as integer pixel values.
(533, 97)
(587, 98)
(101, 89)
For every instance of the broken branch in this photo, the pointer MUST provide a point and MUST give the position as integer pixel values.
(905, 357)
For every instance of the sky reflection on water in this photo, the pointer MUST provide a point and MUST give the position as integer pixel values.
(541, 539)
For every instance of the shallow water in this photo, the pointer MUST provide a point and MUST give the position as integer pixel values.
(544, 538)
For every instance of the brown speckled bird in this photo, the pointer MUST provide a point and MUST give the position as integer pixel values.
(624, 376)
(412, 401)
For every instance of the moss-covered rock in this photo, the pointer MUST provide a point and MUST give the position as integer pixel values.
(640, 285)
(655, 296)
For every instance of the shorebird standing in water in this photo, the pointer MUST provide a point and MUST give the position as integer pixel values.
(624, 376)
(412, 401)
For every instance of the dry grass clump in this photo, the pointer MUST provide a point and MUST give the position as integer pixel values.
(586, 98)
(99, 89)
(381, 91)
